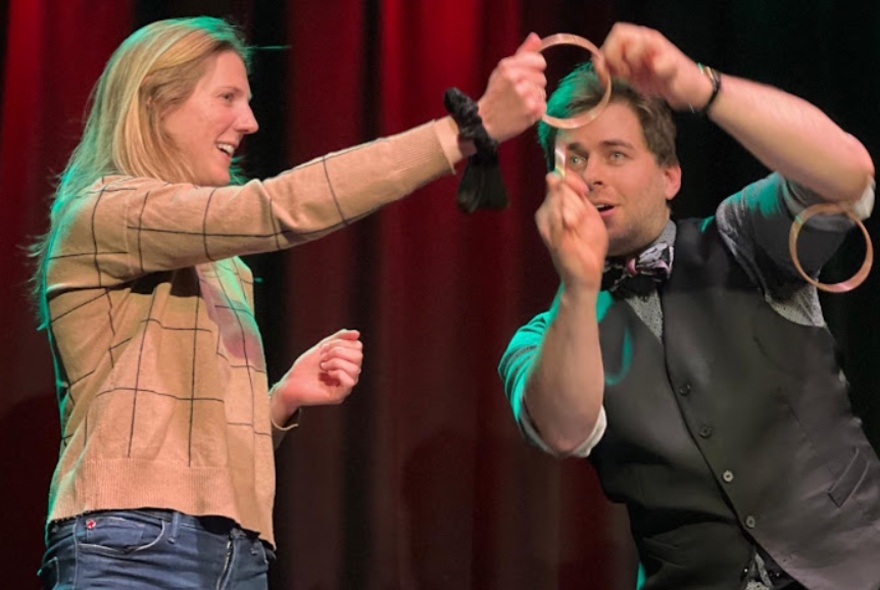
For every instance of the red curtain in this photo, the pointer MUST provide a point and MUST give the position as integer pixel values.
(54, 53)
(420, 479)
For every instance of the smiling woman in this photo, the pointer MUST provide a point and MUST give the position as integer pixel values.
(165, 476)
(209, 126)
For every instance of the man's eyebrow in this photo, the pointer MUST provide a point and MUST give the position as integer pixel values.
(617, 143)
(608, 143)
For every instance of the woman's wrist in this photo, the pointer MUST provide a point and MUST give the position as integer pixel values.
(283, 416)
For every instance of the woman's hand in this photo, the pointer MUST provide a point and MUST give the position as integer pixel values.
(324, 374)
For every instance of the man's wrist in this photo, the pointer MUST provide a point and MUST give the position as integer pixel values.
(714, 78)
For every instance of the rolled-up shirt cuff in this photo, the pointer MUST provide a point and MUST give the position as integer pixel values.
(798, 198)
(582, 450)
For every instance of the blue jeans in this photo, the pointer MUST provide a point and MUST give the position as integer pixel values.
(141, 549)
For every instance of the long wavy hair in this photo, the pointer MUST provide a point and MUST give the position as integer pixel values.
(154, 70)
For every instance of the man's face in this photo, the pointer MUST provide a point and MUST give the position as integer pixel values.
(623, 179)
(209, 126)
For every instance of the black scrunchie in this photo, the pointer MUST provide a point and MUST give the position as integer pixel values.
(481, 185)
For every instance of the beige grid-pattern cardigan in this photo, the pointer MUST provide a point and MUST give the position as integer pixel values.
(160, 369)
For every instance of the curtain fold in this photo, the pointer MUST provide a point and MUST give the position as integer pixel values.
(53, 54)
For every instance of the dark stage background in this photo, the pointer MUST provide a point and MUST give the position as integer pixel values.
(420, 480)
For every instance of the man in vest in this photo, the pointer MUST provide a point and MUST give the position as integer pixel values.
(709, 402)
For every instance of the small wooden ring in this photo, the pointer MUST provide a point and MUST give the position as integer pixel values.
(830, 208)
(589, 116)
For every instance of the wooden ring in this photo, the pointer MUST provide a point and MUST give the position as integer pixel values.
(601, 71)
(829, 208)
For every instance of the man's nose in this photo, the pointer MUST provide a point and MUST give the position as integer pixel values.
(592, 175)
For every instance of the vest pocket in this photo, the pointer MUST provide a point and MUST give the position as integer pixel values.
(849, 479)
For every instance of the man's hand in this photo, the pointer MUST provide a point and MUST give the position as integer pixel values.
(573, 232)
(651, 64)
(786, 133)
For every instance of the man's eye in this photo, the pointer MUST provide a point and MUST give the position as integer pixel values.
(576, 162)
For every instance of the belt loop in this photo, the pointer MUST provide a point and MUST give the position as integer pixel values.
(235, 532)
(175, 525)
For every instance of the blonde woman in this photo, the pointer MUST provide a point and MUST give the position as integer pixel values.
(165, 477)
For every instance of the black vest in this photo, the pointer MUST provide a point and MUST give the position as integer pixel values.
(736, 430)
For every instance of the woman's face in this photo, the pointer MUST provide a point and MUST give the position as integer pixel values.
(209, 126)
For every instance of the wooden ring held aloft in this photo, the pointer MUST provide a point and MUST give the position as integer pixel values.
(601, 69)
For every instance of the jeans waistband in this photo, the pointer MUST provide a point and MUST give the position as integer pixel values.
(213, 524)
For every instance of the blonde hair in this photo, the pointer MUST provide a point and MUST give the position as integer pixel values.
(155, 69)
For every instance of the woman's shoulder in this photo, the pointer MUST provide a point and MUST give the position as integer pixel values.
(122, 183)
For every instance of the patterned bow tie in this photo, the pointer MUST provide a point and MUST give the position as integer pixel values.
(638, 274)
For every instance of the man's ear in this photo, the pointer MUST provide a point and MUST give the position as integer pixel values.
(672, 180)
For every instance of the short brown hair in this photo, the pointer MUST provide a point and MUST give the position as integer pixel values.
(581, 90)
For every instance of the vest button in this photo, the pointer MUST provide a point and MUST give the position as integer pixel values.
(706, 431)
(750, 521)
(727, 476)
(684, 389)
